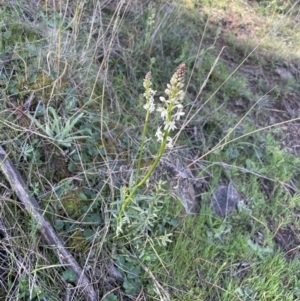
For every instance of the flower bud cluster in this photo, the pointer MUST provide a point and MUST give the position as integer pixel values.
(171, 111)
(149, 93)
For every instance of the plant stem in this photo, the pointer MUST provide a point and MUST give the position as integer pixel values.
(145, 178)
(142, 144)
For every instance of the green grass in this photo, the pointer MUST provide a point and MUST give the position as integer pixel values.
(71, 115)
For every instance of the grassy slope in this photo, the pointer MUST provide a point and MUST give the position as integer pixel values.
(85, 65)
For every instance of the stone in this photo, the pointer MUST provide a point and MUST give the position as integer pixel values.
(224, 200)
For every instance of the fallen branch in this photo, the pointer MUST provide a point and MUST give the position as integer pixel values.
(47, 231)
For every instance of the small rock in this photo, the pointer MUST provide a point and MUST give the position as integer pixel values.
(284, 74)
(224, 200)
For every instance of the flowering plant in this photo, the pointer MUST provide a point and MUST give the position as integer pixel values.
(170, 112)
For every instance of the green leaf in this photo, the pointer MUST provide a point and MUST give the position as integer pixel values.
(111, 297)
(82, 196)
(69, 276)
(7, 34)
(174, 222)
(32, 79)
(88, 233)
(58, 225)
(131, 287)
(53, 75)
(94, 219)
(259, 250)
